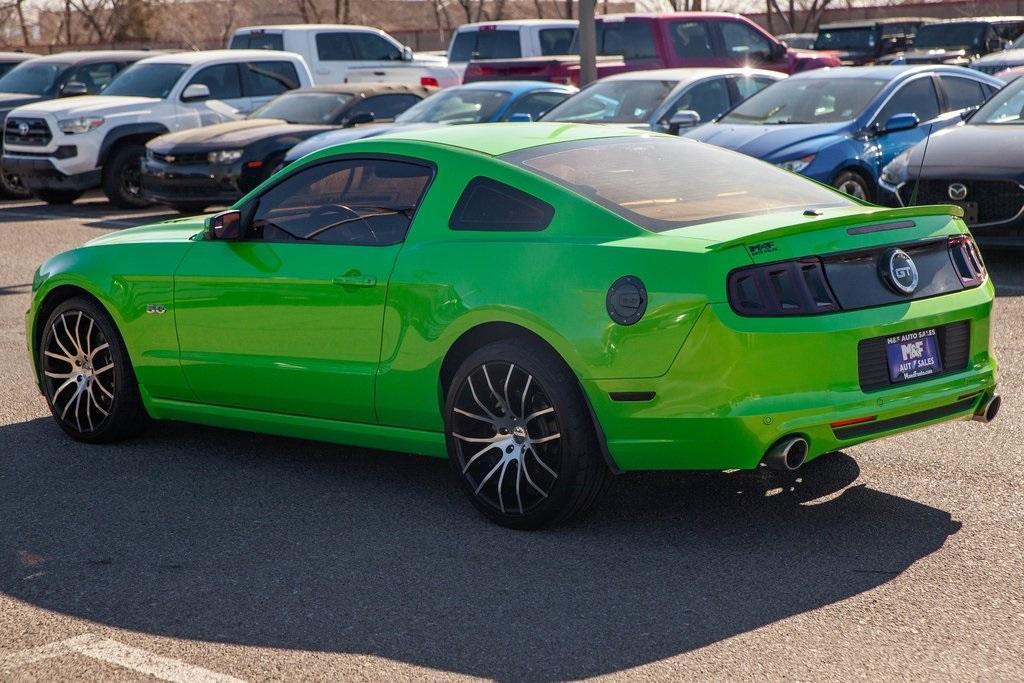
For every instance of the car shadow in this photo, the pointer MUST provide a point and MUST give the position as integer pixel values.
(238, 538)
(92, 213)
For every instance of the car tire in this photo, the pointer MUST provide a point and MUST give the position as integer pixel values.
(122, 177)
(11, 187)
(544, 464)
(853, 184)
(87, 376)
(188, 209)
(57, 196)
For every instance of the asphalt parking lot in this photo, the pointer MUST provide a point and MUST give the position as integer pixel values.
(201, 554)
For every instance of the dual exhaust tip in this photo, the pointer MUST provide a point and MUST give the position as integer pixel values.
(989, 409)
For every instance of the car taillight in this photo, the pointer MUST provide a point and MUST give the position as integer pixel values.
(967, 260)
(788, 288)
(429, 82)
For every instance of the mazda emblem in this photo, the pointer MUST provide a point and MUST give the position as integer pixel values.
(957, 192)
(899, 271)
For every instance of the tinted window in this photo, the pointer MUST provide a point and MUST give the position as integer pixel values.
(1006, 106)
(96, 77)
(953, 35)
(691, 39)
(32, 79)
(854, 38)
(535, 104)
(750, 85)
(961, 93)
(614, 101)
(650, 180)
(146, 80)
(257, 41)
(556, 41)
(742, 41)
(269, 78)
(916, 97)
(709, 99)
(304, 107)
(371, 47)
(628, 39)
(363, 202)
(457, 105)
(221, 79)
(489, 205)
(808, 100)
(7, 66)
(334, 47)
(486, 44)
(383, 107)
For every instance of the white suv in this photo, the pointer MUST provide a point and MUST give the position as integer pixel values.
(61, 148)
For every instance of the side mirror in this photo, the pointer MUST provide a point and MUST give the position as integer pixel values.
(74, 89)
(778, 51)
(360, 118)
(225, 226)
(407, 54)
(195, 93)
(685, 118)
(898, 122)
(520, 117)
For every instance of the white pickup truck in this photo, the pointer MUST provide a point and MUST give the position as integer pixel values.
(509, 39)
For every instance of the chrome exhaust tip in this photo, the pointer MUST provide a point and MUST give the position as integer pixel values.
(989, 409)
(787, 455)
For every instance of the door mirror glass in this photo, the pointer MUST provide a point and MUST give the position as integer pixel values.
(520, 117)
(360, 118)
(196, 92)
(406, 53)
(73, 89)
(778, 51)
(225, 226)
(898, 122)
(686, 118)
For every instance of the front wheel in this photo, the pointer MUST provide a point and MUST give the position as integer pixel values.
(122, 178)
(853, 184)
(520, 438)
(11, 186)
(87, 377)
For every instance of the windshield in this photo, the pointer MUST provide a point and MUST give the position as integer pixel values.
(304, 107)
(32, 79)
(613, 102)
(949, 35)
(456, 106)
(808, 100)
(859, 38)
(146, 80)
(650, 180)
(1006, 106)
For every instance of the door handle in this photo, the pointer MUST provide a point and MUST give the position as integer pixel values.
(380, 73)
(356, 280)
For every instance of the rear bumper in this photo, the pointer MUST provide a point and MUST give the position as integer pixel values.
(740, 384)
(192, 183)
(40, 173)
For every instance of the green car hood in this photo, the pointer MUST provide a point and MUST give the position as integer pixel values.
(178, 230)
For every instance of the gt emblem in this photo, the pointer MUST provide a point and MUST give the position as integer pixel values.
(156, 309)
(899, 271)
(23, 129)
(957, 192)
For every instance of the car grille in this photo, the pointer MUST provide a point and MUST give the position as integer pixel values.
(175, 158)
(998, 200)
(954, 350)
(26, 131)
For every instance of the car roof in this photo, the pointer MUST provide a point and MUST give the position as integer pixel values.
(520, 22)
(200, 56)
(78, 57)
(670, 15)
(686, 75)
(306, 27)
(857, 23)
(514, 87)
(495, 139)
(890, 72)
(16, 56)
(368, 89)
(981, 20)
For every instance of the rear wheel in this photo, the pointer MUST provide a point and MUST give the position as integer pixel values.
(520, 438)
(57, 196)
(853, 184)
(87, 377)
(11, 186)
(122, 178)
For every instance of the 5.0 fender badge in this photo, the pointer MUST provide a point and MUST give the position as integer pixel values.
(156, 309)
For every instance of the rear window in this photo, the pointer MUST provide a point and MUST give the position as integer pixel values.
(485, 44)
(662, 183)
(257, 41)
(556, 41)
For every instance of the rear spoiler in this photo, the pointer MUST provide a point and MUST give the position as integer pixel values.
(877, 216)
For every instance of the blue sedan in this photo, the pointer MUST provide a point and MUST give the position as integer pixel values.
(842, 126)
(482, 102)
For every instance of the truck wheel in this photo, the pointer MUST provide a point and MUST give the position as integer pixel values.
(122, 178)
(11, 187)
(57, 196)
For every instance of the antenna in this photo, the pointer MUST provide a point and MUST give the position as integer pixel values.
(920, 166)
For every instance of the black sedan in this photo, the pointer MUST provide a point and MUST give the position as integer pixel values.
(975, 166)
(217, 164)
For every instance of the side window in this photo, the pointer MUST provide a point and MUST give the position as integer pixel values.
(334, 47)
(535, 104)
(961, 93)
(742, 41)
(627, 39)
(691, 39)
(368, 202)
(265, 79)
(221, 79)
(371, 47)
(750, 85)
(383, 107)
(488, 205)
(96, 77)
(709, 99)
(916, 97)
(556, 41)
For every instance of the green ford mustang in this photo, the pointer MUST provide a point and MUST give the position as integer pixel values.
(544, 304)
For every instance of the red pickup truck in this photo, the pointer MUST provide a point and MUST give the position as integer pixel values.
(630, 42)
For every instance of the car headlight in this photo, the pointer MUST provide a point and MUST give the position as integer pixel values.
(224, 156)
(80, 125)
(797, 165)
(895, 172)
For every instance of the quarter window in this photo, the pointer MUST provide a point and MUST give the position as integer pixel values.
(488, 205)
(961, 93)
(221, 79)
(691, 39)
(267, 79)
(368, 202)
(917, 97)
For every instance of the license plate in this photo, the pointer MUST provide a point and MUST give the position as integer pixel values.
(913, 355)
(970, 211)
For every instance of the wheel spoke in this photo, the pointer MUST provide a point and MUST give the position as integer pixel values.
(491, 387)
(99, 348)
(56, 337)
(488, 420)
(526, 390)
(477, 455)
(472, 390)
(103, 369)
(88, 339)
(545, 439)
(61, 388)
(106, 391)
(97, 403)
(501, 480)
(543, 464)
(88, 408)
(477, 439)
(67, 359)
(531, 482)
(59, 375)
(519, 481)
(545, 411)
(508, 404)
(489, 475)
(78, 338)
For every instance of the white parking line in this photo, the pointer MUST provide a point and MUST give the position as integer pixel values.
(113, 652)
